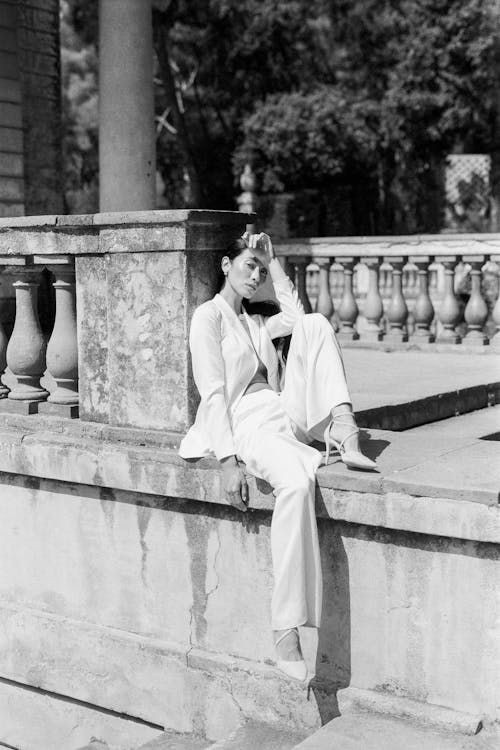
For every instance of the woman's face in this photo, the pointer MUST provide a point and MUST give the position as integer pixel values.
(245, 273)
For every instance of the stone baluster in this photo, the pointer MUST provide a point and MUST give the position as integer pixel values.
(337, 277)
(397, 311)
(26, 348)
(476, 310)
(449, 313)
(324, 303)
(423, 311)
(348, 309)
(62, 349)
(301, 265)
(4, 391)
(373, 309)
(495, 340)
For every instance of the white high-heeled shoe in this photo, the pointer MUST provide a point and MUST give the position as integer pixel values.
(352, 459)
(297, 670)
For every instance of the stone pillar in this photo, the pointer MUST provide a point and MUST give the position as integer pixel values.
(127, 159)
(135, 299)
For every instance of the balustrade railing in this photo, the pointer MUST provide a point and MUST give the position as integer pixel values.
(441, 289)
(40, 373)
(400, 291)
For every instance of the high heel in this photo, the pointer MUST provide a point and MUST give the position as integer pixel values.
(352, 459)
(297, 670)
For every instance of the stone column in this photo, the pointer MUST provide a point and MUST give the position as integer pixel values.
(135, 299)
(127, 159)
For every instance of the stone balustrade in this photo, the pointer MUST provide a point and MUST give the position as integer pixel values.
(434, 289)
(99, 305)
(40, 374)
(95, 311)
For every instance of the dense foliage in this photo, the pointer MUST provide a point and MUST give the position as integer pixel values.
(313, 93)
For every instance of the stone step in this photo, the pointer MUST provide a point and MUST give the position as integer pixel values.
(368, 731)
(401, 390)
(173, 741)
(259, 736)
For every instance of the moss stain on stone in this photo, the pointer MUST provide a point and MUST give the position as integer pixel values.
(143, 519)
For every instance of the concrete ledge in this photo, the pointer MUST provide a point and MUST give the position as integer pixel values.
(353, 699)
(162, 684)
(179, 216)
(400, 499)
(403, 416)
(367, 731)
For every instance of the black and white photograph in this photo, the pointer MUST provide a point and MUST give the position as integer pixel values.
(250, 374)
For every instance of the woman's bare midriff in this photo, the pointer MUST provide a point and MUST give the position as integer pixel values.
(257, 386)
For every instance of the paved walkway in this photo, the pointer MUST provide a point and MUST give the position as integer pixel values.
(456, 457)
(378, 378)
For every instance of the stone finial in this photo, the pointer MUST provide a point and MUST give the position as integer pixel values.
(247, 179)
(247, 199)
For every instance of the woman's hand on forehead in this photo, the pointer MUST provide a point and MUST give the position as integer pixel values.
(261, 245)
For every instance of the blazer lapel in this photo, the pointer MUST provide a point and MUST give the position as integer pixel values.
(254, 329)
(234, 320)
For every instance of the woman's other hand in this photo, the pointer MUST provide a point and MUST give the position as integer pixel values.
(234, 483)
(262, 246)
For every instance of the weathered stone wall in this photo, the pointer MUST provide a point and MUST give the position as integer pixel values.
(157, 607)
(129, 590)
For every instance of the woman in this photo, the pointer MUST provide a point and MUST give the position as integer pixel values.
(244, 414)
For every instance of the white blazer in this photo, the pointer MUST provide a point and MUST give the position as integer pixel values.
(224, 361)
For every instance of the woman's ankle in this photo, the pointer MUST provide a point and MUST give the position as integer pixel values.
(288, 648)
(344, 427)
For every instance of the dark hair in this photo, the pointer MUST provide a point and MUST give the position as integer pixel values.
(235, 248)
(266, 308)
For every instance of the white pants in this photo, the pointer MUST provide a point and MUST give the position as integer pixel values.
(271, 431)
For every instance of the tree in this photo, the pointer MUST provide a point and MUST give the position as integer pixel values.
(311, 92)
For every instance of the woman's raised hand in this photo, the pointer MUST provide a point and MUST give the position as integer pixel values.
(234, 483)
(262, 245)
